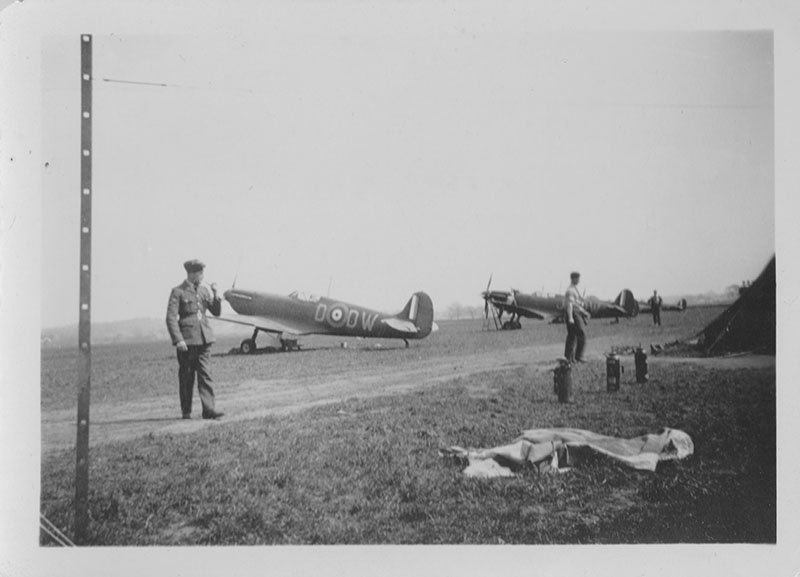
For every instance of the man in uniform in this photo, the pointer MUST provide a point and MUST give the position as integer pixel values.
(575, 316)
(192, 336)
(655, 303)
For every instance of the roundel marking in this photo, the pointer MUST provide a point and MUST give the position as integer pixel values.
(337, 315)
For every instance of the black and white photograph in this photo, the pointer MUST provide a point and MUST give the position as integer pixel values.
(398, 287)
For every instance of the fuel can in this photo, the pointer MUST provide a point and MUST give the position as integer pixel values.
(640, 358)
(613, 372)
(562, 381)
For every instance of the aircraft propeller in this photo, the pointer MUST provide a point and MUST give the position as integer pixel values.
(485, 296)
(236, 274)
(233, 285)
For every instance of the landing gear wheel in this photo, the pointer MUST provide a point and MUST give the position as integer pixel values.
(248, 347)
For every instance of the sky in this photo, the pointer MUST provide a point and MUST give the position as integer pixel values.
(393, 153)
(378, 148)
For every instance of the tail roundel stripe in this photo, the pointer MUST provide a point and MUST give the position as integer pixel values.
(412, 314)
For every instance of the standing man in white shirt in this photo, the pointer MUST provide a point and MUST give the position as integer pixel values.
(575, 317)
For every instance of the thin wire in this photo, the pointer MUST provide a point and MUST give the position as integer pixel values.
(168, 85)
(162, 84)
(54, 532)
(52, 535)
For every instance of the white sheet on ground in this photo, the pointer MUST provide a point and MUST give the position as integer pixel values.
(560, 448)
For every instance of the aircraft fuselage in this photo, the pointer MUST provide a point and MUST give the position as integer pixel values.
(537, 306)
(325, 316)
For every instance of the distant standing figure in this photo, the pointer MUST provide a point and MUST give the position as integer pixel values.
(192, 336)
(576, 316)
(655, 303)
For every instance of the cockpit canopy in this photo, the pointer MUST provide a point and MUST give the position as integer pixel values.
(301, 296)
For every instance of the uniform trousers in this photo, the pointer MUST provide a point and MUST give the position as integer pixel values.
(193, 362)
(576, 339)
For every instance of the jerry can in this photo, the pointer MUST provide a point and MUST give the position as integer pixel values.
(562, 381)
(613, 372)
(640, 358)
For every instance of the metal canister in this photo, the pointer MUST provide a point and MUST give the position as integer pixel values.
(640, 358)
(613, 372)
(562, 381)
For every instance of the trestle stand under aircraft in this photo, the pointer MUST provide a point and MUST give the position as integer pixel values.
(549, 307)
(300, 314)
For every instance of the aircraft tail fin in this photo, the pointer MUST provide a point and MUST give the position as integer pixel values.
(626, 301)
(419, 310)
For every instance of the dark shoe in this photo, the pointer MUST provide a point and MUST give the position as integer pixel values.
(187, 416)
(213, 415)
(581, 361)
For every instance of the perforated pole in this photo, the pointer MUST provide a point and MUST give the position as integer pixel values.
(84, 323)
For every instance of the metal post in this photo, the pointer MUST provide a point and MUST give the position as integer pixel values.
(84, 324)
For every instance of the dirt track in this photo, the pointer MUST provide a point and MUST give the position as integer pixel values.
(259, 397)
(319, 377)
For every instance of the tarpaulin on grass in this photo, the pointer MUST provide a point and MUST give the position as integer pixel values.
(561, 448)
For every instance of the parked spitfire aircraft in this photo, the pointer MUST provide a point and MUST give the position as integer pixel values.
(547, 307)
(300, 314)
(644, 307)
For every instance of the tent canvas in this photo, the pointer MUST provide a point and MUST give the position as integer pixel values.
(748, 324)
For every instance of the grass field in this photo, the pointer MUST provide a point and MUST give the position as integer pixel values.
(367, 468)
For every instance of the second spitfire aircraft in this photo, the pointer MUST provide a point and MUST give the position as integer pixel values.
(680, 306)
(551, 308)
(300, 314)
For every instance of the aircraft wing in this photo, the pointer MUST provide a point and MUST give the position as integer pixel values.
(521, 310)
(607, 311)
(531, 314)
(644, 307)
(533, 306)
(263, 323)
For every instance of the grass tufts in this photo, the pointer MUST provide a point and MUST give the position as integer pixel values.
(369, 471)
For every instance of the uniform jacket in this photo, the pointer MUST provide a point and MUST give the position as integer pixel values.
(186, 314)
